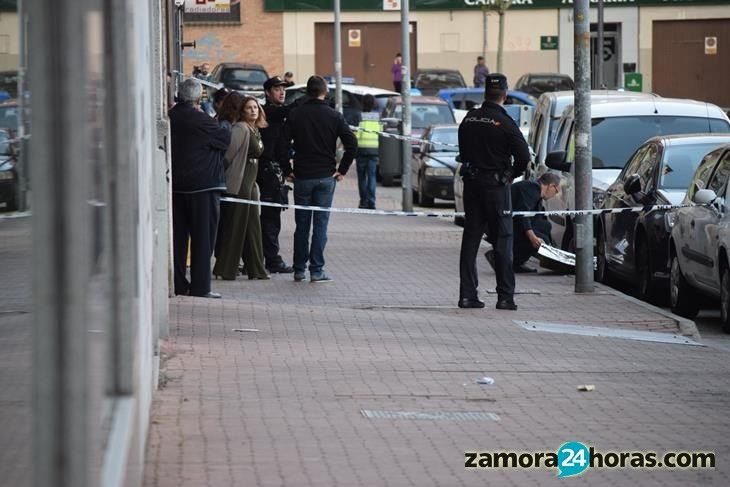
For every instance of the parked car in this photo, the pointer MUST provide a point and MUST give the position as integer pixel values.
(519, 105)
(619, 127)
(633, 246)
(9, 114)
(433, 165)
(699, 248)
(425, 111)
(351, 96)
(244, 77)
(536, 84)
(430, 81)
(8, 172)
(546, 118)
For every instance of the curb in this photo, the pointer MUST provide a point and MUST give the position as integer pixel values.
(686, 326)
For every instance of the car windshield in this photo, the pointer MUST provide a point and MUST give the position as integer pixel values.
(542, 84)
(439, 80)
(247, 76)
(616, 138)
(446, 136)
(423, 116)
(680, 163)
(9, 117)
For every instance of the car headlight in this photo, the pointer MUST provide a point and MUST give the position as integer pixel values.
(670, 218)
(438, 171)
(6, 175)
(598, 196)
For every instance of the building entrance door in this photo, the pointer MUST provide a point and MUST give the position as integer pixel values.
(368, 49)
(611, 56)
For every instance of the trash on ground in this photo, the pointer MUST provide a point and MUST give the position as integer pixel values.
(586, 387)
(245, 329)
(485, 381)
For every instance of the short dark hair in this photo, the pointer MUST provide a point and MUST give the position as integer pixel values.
(549, 178)
(494, 95)
(368, 103)
(480, 58)
(316, 86)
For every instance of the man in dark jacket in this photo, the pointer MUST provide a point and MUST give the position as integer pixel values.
(530, 232)
(314, 128)
(488, 140)
(198, 145)
(274, 166)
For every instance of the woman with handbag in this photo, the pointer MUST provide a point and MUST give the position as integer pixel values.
(240, 226)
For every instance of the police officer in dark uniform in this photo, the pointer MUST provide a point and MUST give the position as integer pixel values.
(274, 167)
(493, 152)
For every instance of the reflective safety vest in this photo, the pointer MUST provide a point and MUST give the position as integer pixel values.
(368, 140)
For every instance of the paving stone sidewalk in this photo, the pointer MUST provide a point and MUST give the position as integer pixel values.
(288, 404)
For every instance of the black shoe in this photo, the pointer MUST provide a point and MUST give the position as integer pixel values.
(210, 295)
(371, 207)
(281, 269)
(470, 303)
(523, 269)
(489, 254)
(508, 304)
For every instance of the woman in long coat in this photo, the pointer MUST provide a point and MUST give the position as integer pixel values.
(241, 228)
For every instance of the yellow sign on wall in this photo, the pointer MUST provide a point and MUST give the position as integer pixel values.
(353, 37)
(711, 45)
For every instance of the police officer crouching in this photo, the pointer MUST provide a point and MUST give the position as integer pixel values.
(489, 140)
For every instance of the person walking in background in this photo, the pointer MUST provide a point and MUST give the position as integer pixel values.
(314, 128)
(480, 73)
(397, 72)
(367, 152)
(274, 166)
(241, 232)
(198, 145)
(289, 79)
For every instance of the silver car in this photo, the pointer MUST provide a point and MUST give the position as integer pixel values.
(699, 248)
(619, 127)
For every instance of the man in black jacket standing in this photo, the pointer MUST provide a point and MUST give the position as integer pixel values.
(274, 166)
(314, 128)
(488, 140)
(198, 145)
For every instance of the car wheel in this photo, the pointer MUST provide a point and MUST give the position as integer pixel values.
(422, 197)
(646, 286)
(725, 299)
(682, 298)
(601, 261)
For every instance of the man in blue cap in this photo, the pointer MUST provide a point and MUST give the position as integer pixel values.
(493, 152)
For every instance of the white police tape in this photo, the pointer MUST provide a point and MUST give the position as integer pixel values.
(451, 214)
(403, 137)
(631, 209)
(360, 211)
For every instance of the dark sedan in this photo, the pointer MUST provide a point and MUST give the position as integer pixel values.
(433, 164)
(633, 246)
(8, 173)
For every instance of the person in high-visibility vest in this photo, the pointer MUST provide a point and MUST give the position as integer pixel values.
(367, 152)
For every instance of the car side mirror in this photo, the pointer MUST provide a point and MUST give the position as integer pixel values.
(704, 197)
(556, 160)
(633, 184)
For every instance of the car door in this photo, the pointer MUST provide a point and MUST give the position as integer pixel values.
(565, 199)
(621, 248)
(701, 220)
(707, 225)
(615, 197)
(682, 232)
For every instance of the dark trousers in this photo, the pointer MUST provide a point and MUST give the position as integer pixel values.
(484, 206)
(523, 249)
(270, 229)
(195, 217)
